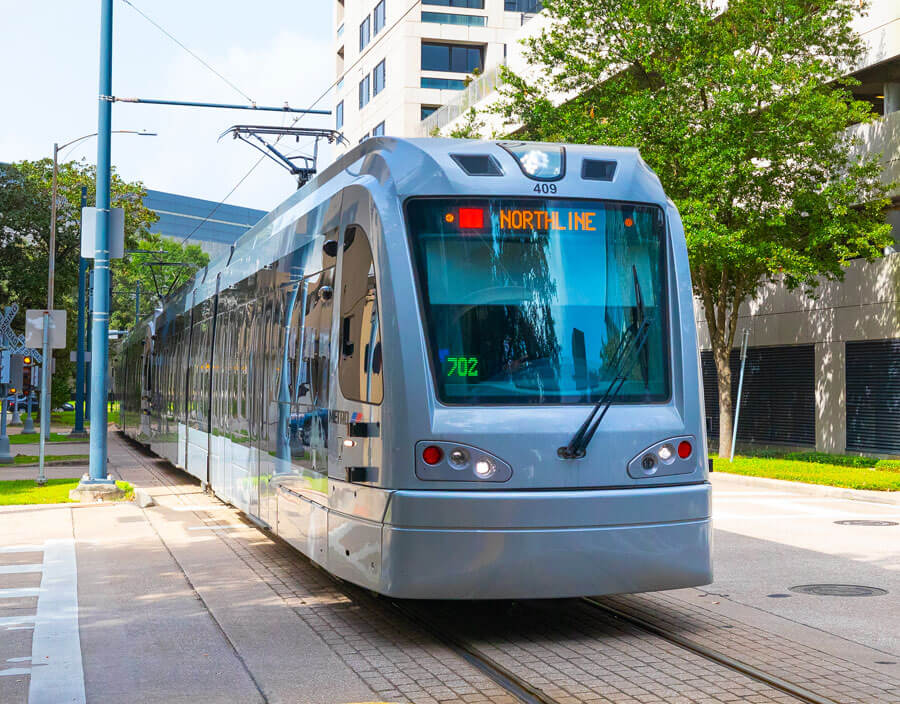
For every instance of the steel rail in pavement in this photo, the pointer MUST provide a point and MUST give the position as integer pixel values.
(754, 673)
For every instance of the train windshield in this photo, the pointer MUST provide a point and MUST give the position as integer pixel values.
(527, 300)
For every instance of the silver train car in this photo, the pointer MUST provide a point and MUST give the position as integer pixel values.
(448, 369)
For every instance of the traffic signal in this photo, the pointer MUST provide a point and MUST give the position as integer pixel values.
(27, 362)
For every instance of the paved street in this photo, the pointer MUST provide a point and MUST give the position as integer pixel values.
(186, 601)
(768, 541)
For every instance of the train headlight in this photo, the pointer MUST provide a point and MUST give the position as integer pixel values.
(459, 458)
(484, 469)
(649, 463)
(666, 454)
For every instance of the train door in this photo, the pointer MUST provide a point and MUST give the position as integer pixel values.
(309, 417)
(360, 357)
(268, 411)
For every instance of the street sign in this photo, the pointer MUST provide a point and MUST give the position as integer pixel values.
(34, 329)
(116, 232)
(73, 356)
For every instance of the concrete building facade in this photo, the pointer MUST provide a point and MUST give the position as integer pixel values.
(396, 61)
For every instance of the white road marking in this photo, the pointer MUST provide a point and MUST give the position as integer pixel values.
(20, 628)
(21, 548)
(27, 658)
(9, 672)
(56, 642)
(15, 620)
(20, 592)
(18, 569)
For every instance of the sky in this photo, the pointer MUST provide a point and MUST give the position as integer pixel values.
(275, 51)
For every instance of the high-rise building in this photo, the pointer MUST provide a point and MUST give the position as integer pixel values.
(397, 61)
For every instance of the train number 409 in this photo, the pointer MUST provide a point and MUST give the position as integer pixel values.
(545, 188)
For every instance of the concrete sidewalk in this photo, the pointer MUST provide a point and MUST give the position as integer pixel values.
(164, 613)
(724, 480)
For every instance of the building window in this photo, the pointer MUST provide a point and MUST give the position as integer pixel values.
(378, 18)
(467, 4)
(364, 94)
(532, 6)
(339, 115)
(378, 131)
(378, 79)
(443, 83)
(360, 364)
(427, 110)
(447, 18)
(458, 58)
(364, 33)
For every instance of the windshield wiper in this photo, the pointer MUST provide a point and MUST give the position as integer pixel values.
(623, 360)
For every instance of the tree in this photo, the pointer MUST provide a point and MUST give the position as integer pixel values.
(25, 199)
(741, 113)
(155, 277)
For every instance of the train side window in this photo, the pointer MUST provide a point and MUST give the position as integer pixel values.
(360, 367)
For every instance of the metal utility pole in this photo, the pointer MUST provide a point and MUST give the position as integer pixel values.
(737, 411)
(78, 430)
(100, 313)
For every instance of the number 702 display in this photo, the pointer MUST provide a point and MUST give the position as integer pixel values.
(462, 366)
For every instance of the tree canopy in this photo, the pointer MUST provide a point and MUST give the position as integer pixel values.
(25, 199)
(742, 113)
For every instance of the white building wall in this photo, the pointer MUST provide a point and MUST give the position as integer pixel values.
(399, 44)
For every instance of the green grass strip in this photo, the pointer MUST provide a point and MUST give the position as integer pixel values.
(850, 477)
(18, 492)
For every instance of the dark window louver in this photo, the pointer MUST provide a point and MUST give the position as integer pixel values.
(598, 170)
(478, 164)
(778, 405)
(873, 396)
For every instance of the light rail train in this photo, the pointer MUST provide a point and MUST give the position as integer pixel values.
(448, 369)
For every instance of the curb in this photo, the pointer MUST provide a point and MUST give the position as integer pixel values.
(834, 492)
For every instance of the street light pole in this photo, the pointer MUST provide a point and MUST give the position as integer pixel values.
(45, 348)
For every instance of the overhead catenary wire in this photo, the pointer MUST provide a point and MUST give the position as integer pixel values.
(388, 30)
(174, 39)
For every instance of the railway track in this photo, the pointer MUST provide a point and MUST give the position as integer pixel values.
(531, 694)
(800, 693)
(421, 614)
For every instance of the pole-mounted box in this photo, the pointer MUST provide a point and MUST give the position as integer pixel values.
(116, 232)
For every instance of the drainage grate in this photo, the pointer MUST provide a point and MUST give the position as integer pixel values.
(867, 523)
(837, 590)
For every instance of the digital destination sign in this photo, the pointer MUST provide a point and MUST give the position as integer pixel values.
(529, 219)
(519, 219)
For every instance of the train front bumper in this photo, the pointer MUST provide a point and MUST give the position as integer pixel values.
(545, 544)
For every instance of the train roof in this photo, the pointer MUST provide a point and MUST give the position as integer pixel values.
(436, 166)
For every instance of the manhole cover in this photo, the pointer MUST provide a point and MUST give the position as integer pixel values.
(837, 590)
(867, 523)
